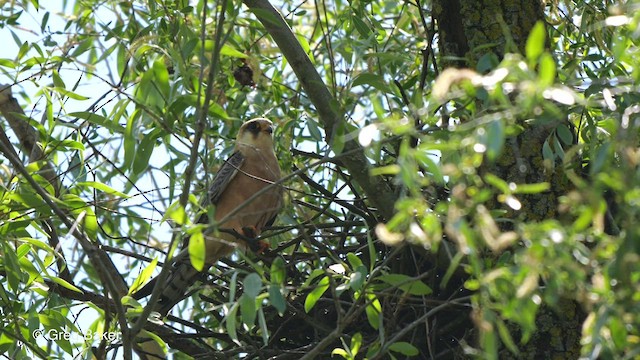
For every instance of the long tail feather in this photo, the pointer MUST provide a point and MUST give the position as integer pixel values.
(182, 276)
(180, 280)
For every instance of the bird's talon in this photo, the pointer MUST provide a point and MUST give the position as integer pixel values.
(262, 247)
(250, 232)
(257, 246)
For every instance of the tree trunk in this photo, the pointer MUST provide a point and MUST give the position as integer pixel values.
(475, 34)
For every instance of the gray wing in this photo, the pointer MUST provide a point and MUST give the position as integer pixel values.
(220, 182)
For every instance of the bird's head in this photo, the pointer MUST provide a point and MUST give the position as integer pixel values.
(256, 133)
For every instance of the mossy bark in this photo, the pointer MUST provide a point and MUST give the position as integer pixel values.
(469, 31)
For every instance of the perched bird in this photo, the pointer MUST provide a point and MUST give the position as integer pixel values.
(252, 167)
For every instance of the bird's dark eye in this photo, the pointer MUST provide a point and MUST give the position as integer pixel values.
(253, 126)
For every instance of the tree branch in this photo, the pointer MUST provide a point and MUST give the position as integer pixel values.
(378, 191)
(26, 134)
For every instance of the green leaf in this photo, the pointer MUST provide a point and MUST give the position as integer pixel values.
(495, 139)
(565, 134)
(11, 267)
(453, 267)
(373, 253)
(619, 334)
(10, 64)
(176, 213)
(252, 285)
(277, 299)
(316, 294)
(90, 221)
(152, 344)
(406, 283)
(59, 325)
(505, 335)
(49, 113)
(143, 277)
(29, 200)
(65, 284)
(161, 78)
(37, 243)
(404, 348)
(233, 284)
(547, 153)
(278, 271)
(341, 352)
(305, 45)
(600, 159)
(488, 338)
(531, 188)
(228, 50)
(197, 250)
(57, 80)
(83, 46)
(248, 309)
(70, 94)
(547, 70)
(104, 188)
(584, 220)
(354, 260)
(136, 307)
(314, 131)
(497, 182)
(231, 323)
(373, 80)
(99, 120)
(431, 224)
(361, 26)
(122, 57)
(373, 311)
(489, 61)
(385, 170)
(535, 43)
(357, 278)
(143, 153)
(217, 112)
(70, 144)
(426, 162)
(24, 48)
(264, 330)
(129, 141)
(356, 343)
(338, 139)
(153, 87)
(314, 274)
(266, 16)
(44, 22)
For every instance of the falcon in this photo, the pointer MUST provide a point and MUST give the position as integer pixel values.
(239, 217)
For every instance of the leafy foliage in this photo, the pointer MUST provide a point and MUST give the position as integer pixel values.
(515, 183)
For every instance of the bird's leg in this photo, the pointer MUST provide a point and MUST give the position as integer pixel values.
(248, 234)
(258, 246)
